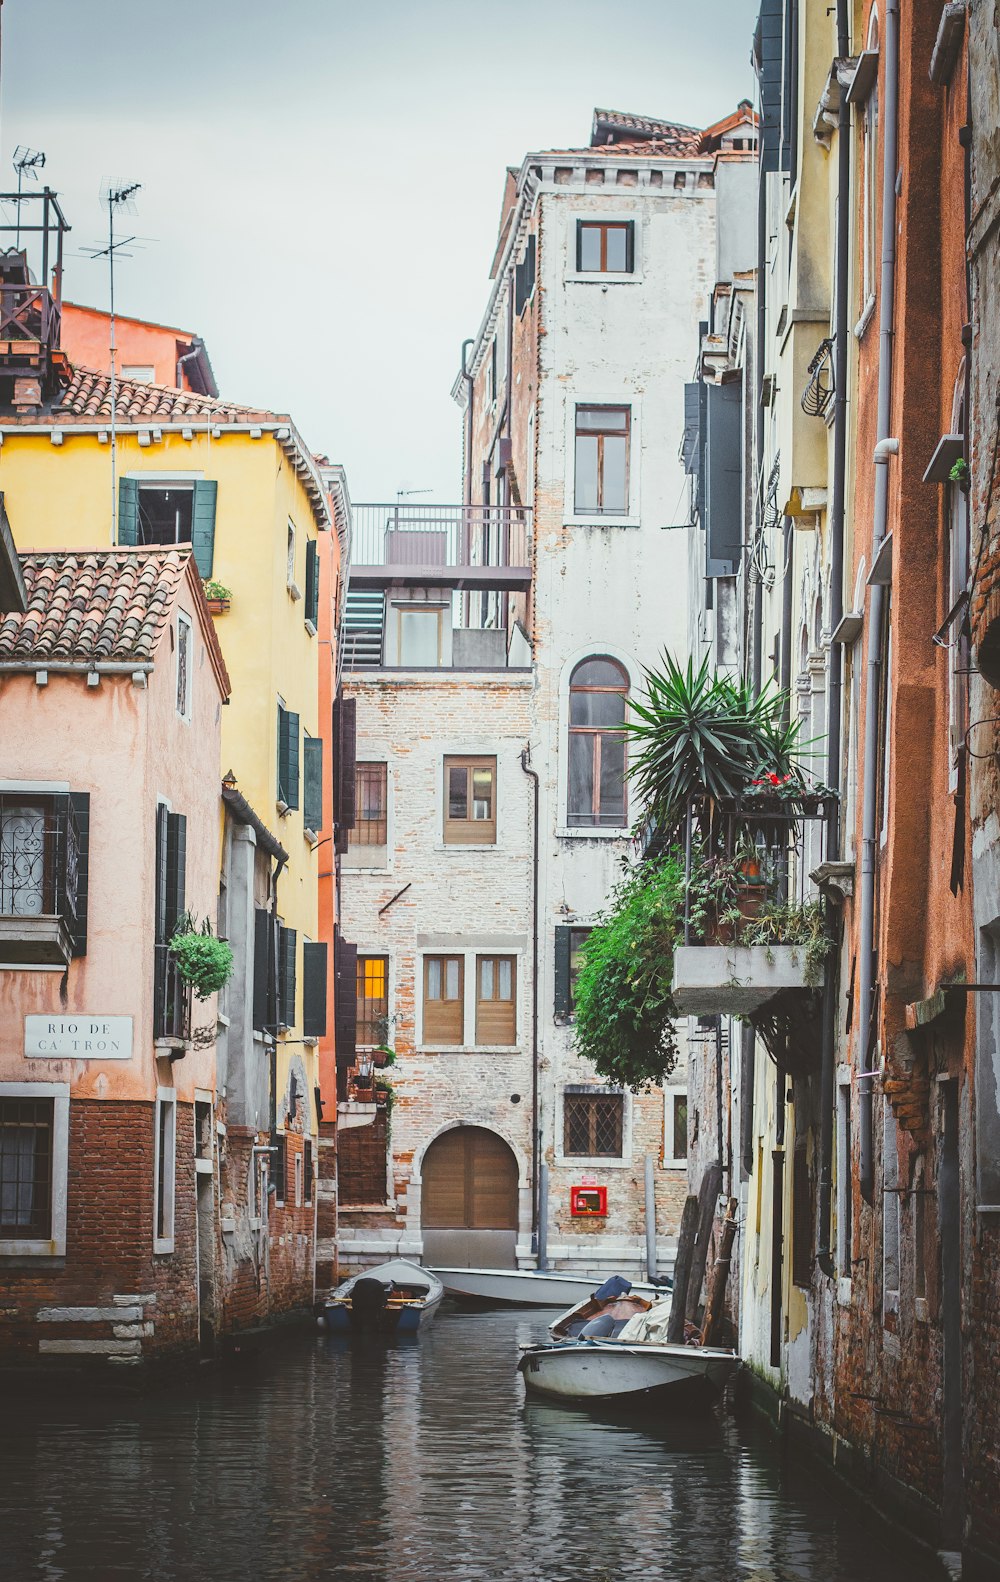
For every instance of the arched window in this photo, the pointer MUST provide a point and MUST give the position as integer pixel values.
(598, 690)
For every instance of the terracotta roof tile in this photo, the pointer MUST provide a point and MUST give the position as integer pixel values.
(643, 127)
(651, 148)
(88, 399)
(93, 605)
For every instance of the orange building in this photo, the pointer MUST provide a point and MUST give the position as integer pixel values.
(156, 354)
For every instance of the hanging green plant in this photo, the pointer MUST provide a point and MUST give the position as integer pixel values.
(202, 960)
(960, 473)
(624, 1009)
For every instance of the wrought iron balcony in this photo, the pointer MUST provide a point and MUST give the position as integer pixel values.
(39, 879)
(445, 546)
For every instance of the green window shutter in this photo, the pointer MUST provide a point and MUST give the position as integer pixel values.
(263, 986)
(162, 816)
(203, 525)
(312, 582)
(128, 510)
(286, 976)
(176, 865)
(313, 991)
(562, 996)
(80, 802)
(312, 783)
(288, 757)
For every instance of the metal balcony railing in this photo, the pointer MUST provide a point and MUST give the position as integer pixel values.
(171, 997)
(458, 546)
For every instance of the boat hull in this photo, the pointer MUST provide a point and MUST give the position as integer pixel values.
(633, 1376)
(412, 1296)
(342, 1320)
(523, 1287)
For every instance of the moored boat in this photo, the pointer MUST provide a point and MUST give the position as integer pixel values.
(526, 1287)
(613, 1351)
(393, 1298)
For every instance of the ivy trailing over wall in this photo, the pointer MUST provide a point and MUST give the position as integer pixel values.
(624, 1009)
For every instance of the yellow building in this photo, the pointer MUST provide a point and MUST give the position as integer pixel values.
(242, 487)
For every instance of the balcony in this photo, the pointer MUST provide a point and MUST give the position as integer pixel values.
(470, 548)
(39, 880)
(171, 1002)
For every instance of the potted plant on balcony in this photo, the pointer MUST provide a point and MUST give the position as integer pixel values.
(217, 595)
(202, 960)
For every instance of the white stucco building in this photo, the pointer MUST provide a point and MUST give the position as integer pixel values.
(502, 639)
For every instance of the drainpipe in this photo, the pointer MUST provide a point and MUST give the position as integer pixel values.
(757, 608)
(537, 1236)
(883, 450)
(470, 385)
(187, 358)
(827, 1072)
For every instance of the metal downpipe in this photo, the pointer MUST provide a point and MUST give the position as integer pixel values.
(828, 1047)
(876, 610)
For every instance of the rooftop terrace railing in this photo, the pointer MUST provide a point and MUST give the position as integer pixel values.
(463, 546)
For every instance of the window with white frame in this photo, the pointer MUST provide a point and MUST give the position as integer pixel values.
(290, 581)
(185, 652)
(164, 1169)
(675, 1135)
(602, 460)
(140, 373)
(298, 1180)
(598, 692)
(593, 1123)
(34, 1134)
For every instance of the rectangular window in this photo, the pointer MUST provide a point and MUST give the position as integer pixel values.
(26, 1149)
(165, 1148)
(307, 1169)
(184, 646)
(577, 939)
(28, 846)
(496, 1000)
(602, 460)
(675, 1142)
(373, 1000)
(279, 1168)
(444, 991)
(802, 1215)
(171, 995)
(290, 582)
(593, 1125)
(166, 513)
(845, 1199)
(288, 757)
(371, 819)
(298, 1180)
(419, 637)
(470, 817)
(139, 373)
(958, 642)
(890, 1209)
(605, 247)
(312, 584)
(286, 976)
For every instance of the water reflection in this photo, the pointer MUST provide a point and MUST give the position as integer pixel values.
(341, 1459)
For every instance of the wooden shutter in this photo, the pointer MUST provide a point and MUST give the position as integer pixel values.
(345, 768)
(286, 976)
(162, 815)
(176, 869)
(496, 1016)
(312, 582)
(263, 1017)
(442, 1193)
(128, 510)
(345, 1002)
(80, 803)
(313, 990)
(312, 783)
(203, 525)
(724, 478)
(443, 1017)
(563, 1005)
(288, 757)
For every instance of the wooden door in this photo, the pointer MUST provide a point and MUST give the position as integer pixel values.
(469, 1182)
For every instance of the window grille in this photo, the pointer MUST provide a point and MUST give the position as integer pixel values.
(593, 1125)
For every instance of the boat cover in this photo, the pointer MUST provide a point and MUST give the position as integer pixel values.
(651, 1326)
(617, 1285)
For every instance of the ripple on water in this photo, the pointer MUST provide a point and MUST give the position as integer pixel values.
(412, 1461)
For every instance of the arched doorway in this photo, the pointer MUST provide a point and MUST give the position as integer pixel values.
(469, 1200)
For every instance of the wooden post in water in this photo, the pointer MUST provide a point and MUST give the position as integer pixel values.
(708, 1196)
(682, 1270)
(720, 1277)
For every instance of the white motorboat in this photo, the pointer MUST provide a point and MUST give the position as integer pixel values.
(526, 1287)
(396, 1298)
(617, 1355)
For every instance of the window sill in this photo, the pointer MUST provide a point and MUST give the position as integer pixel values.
(921, 1310)
(595, 833)
(377, 872)
(673, 1164)
(32, 1249)
(597, 277)
(867, 314)
(163, 1244)
(594, 519)
(467, 845)
(469, 1049)
(575, 1162)
(170, 1043)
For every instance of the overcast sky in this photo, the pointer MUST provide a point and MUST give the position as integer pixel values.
(321, 179)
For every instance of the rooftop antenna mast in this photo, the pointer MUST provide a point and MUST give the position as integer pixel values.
(120, 199)
(27, 162)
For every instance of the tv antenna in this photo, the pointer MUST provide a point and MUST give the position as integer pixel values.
(27, 162)
(120, 199)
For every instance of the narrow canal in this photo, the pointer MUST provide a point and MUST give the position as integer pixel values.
(423, 1460)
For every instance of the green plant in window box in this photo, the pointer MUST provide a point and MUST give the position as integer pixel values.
(202, 960)
(218, 595)
(960, 473)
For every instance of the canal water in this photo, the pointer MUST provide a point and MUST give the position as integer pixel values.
(421, 1460)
